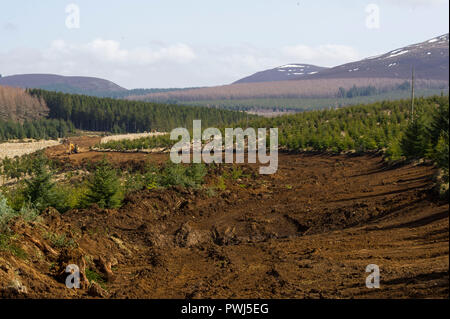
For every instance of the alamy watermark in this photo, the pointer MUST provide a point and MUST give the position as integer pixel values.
(373, 280)
(235, 143)
(73, 279)
(73, 17)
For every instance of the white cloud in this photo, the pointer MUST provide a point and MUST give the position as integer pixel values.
(110, 51)
(165, 65)
(323, 55)
(153, 66)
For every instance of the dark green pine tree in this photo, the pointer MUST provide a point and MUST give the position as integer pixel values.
(39, 189)
(441, 153)
(440, 122)
(414, 143)
(104, 187)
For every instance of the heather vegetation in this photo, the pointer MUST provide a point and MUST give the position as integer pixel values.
(300, 89)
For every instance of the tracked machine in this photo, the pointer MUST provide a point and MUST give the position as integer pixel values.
(72, 148)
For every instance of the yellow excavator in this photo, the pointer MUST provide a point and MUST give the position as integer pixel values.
(73, 148)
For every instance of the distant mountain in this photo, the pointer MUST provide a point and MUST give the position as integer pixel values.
(430, 60)
(66, 84)
(380, 74)
(78, 85)
(282, 73)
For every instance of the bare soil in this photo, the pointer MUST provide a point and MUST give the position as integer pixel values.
(308, 231)
(12, 149)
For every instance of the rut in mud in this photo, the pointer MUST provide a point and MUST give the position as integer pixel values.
(308, 231)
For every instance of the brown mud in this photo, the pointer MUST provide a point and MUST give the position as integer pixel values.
(308, 231)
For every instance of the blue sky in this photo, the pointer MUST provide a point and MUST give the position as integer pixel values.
(171, 43)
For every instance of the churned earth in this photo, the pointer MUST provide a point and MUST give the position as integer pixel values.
(308, 231)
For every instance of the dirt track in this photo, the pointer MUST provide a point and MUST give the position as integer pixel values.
(308, 231)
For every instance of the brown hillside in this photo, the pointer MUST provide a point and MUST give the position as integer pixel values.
(280, 89)
(17, 105)
(69, 84)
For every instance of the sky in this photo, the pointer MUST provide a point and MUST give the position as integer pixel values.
(179, 43)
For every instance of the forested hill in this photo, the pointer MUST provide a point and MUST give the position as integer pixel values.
(119, 116)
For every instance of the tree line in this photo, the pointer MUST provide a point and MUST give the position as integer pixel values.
(36, 129)
(369, 90)
(123, 116)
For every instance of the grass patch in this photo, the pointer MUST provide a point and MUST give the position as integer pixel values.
(92, 275)
(221, 184)
(60, 241)
(210, 192)
(6, 244)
